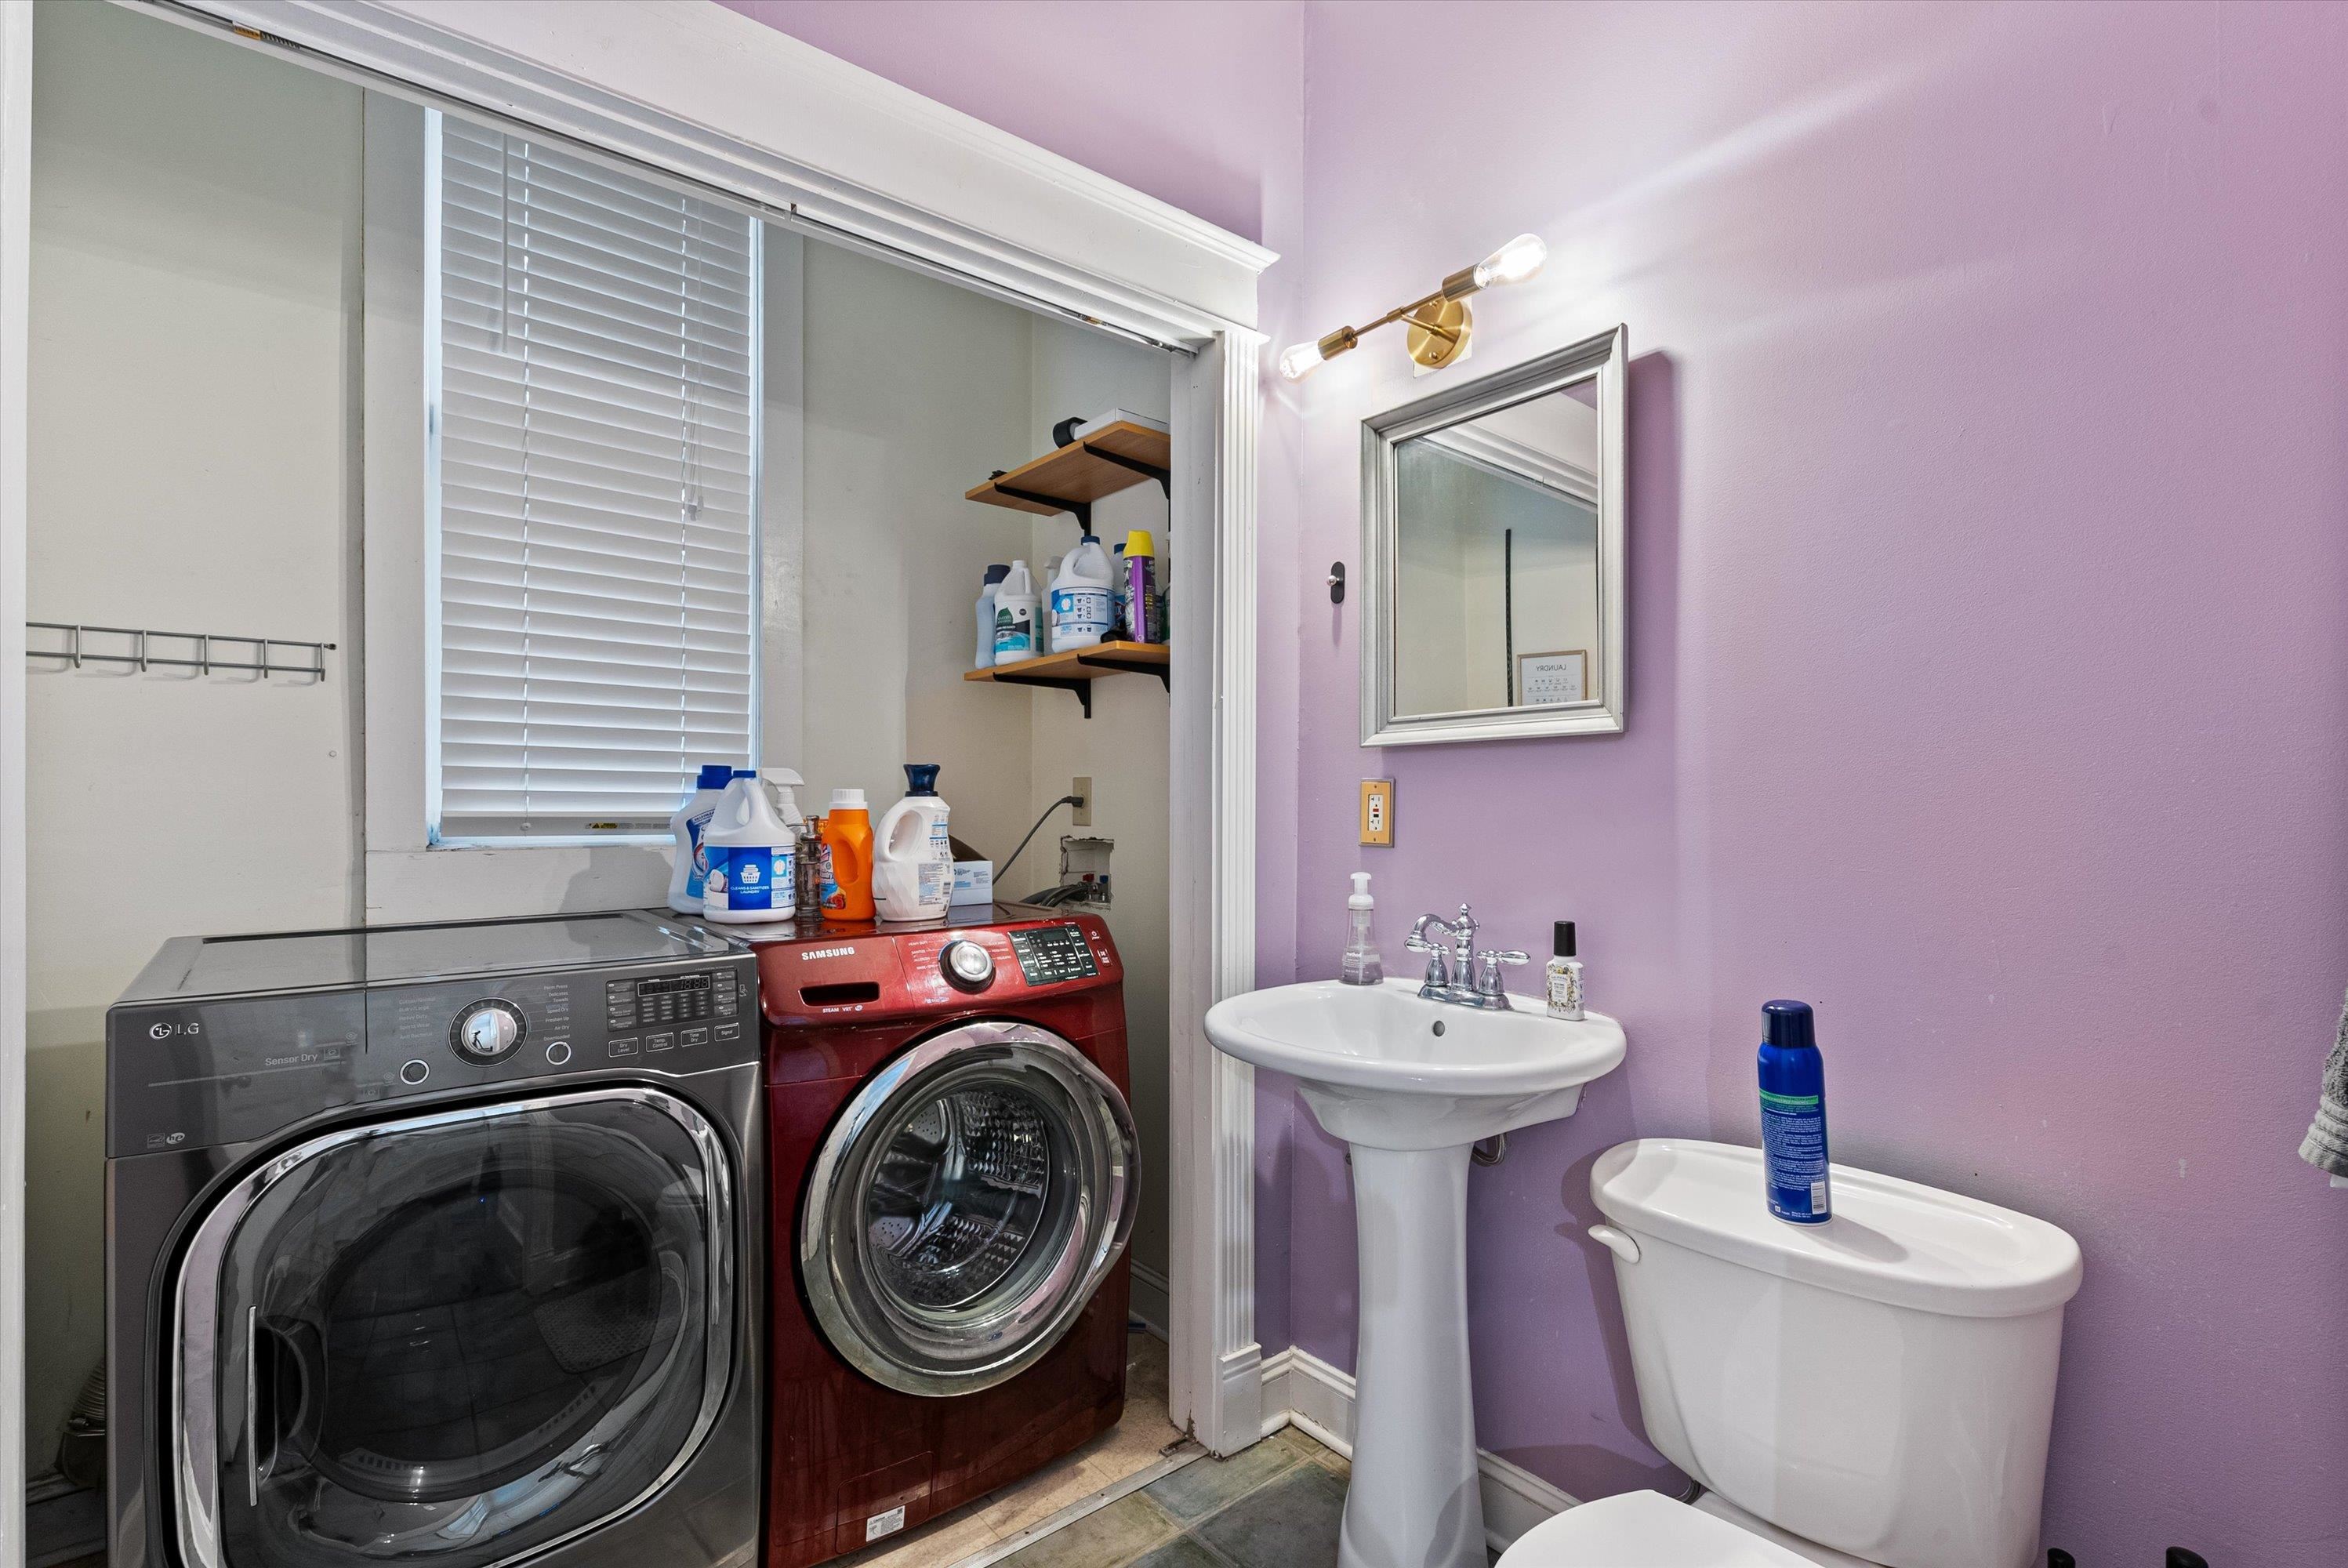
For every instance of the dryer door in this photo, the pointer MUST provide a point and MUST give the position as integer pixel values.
(965, 1206)
(456, 1338)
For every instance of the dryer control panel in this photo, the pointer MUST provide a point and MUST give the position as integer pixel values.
(223, 1069)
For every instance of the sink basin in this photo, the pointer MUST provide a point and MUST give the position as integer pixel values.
(1384, 1070)
(1410, 1084)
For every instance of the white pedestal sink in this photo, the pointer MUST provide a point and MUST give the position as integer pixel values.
(1410, 1084)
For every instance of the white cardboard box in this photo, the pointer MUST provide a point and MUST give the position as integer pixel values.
(974, 882)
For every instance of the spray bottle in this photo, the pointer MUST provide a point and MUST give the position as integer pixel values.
(1794, 1115)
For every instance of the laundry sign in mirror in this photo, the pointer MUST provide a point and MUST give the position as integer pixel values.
(1492, 524)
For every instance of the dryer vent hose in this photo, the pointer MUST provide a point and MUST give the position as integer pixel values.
(81, 1452)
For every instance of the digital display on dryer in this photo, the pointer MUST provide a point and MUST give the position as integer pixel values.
(1051, 954)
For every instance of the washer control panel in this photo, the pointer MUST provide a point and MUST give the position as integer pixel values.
(1049, 954)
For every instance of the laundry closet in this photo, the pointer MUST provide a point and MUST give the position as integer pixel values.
(417, 505)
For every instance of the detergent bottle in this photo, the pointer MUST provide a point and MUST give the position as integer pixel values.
(994, 575)
(1082, 604)
(691, 821)
(913, 853)
(1014, 616)
(752, 875)
(847, 838)
(783, 787)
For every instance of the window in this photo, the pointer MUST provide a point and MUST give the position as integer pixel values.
(591, 373)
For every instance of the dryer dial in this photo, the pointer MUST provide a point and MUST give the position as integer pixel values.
(968, 966)
(488, 1032)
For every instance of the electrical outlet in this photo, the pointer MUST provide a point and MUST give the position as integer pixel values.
(1377, 812)
(1082, 816)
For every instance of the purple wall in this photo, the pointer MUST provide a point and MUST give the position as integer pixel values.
(1989, 585)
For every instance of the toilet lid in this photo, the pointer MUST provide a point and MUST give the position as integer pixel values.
(1642, 1529)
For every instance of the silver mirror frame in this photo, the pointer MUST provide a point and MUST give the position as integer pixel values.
(1605, 359)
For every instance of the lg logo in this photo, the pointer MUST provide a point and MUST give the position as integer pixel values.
(166, 1031)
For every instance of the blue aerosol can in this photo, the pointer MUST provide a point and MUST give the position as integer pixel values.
(1794, 1115)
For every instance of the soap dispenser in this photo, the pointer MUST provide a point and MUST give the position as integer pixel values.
(1361, 965)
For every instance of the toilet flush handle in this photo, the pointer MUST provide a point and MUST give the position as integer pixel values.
(1615, 1241)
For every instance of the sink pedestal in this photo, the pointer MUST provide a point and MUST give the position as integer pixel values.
(1414, 1501)
(1410, 1083)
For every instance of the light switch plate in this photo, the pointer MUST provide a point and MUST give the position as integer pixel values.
(1377, 812)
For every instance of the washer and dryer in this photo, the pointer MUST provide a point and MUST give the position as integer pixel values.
(438, 1244)
(954, 1173)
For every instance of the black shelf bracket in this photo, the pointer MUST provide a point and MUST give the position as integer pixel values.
(1132, 667)
(1082, 510)
(1135, 465)
(1083, 688)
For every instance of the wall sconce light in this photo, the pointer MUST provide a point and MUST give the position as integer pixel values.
(1439, 324)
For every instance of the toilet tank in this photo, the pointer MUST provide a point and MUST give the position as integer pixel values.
(1882, 1383)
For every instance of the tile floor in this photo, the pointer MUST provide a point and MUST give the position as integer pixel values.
(1275, 1505)
(1135, 1444)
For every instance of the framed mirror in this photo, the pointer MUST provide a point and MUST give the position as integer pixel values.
(1493, 546)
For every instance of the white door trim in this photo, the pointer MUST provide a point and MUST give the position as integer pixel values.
(1301, 1390)
(16, 244)
(810, 140)
(702, 92)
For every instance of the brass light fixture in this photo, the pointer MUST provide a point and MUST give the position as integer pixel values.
(1440, 323)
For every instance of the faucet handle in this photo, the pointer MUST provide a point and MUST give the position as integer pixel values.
(1487, 972)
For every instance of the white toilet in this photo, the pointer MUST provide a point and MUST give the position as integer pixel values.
(1874, 1392)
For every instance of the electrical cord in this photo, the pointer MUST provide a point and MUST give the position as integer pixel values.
(1003, 872)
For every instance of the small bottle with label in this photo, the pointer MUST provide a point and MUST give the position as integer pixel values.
(1361, 965)
(1564, 976)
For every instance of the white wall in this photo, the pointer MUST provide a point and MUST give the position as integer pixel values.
(915, 390)
(1122, 748)
(195, 290)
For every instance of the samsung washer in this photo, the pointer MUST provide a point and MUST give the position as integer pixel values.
(437, 1244)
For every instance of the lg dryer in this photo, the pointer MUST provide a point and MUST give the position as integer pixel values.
(439, 1245)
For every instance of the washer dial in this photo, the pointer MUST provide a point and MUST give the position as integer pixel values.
(488, 1032)
(967, 965)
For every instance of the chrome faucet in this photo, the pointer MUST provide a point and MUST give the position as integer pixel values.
(1463, 976)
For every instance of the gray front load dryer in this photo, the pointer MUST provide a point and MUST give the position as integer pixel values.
(437, 1246)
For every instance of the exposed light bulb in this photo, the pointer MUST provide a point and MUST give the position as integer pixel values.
(1513, 262)
(1299, 360)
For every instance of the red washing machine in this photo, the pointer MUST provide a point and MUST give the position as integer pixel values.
(955, 1176)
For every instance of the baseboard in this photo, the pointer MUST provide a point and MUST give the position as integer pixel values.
(1153, 1300)
(1300, 1389)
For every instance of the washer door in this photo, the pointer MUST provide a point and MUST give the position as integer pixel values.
(457, 1338)
(965, 1207)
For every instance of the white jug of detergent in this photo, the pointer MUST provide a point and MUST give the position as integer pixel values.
(783, 787)
(691, 821)
(913, 853)
(994, 575)
(752, 862)
(1082, 605)
(1014, 616)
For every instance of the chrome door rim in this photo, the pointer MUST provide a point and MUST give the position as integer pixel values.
(196, 1298)
(926, 1356)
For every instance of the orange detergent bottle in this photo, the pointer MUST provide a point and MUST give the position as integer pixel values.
(848, 857)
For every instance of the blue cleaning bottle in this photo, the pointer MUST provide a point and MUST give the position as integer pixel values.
(1794, 1115)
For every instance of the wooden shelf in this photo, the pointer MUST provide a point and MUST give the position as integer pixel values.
(1114, 457)
(1076, 669)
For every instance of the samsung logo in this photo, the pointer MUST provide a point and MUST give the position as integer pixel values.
(827, 953)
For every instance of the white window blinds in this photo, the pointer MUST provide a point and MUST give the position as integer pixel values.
(594, 459)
